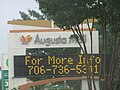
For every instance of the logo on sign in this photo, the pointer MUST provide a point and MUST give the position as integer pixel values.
(6, 62)
(25, 40)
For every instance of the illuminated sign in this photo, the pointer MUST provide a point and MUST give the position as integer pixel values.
(31, 66)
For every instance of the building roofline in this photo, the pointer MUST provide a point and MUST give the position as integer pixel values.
(40, 23)
(45, 30)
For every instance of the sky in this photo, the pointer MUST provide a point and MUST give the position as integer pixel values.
(9, 10)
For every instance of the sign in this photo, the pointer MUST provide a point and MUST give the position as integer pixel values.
(4, 72)
(52, 39)
(5, 80)
(55, 65)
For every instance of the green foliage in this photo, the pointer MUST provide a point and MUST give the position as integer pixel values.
(70, 13)
(32, 15)
(24, 16)
(110, 38)
(53, 51)
(66, 13)
(76, 85)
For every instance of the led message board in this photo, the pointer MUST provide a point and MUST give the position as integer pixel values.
(55, 65)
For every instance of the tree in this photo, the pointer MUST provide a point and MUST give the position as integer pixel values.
(70, 10)
(107, 11)
(68, 14)
(61, 12)
(32, 15)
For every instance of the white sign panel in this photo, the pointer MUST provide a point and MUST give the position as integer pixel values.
(50, 40)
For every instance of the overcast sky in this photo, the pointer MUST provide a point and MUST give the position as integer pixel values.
(9, 10)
